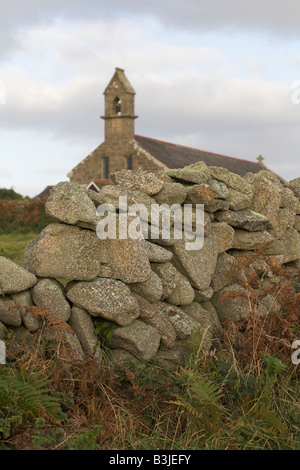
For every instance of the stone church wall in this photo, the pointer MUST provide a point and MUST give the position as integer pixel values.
(90, 168)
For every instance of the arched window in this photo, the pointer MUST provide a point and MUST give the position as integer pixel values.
(117, 105)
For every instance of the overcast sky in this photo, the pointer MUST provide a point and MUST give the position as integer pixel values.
(217, 75)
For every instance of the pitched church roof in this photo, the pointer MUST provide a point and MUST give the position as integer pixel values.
(178, 156)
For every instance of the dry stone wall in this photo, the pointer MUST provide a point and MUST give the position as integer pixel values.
(154, 292)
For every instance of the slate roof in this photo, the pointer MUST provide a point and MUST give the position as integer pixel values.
(45, 193)
(178, 156)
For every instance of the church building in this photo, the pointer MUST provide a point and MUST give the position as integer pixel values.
(122, 149)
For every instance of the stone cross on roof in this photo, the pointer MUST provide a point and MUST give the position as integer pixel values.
(260, 159)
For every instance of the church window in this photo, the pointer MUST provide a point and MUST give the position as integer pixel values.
(129, 163)
(105, 168)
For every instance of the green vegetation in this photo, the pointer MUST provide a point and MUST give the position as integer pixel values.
(21, 220)
(18, 214)
(9, 194)
(24, 396)
(13, 244)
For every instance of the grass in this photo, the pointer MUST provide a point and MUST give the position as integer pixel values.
(13, 244)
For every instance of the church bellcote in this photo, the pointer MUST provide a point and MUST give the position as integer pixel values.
(119, 108)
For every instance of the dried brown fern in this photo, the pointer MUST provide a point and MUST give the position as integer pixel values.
(271, 333)
(41, 313)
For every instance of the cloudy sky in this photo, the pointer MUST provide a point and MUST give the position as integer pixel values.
(218, 75)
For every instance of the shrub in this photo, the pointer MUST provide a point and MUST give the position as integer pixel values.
(9, 194)
(23, 215)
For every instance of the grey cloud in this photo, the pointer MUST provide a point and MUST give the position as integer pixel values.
(273, 16)
(234, 117)
(68, 115)
(270, 16)
(189, 104)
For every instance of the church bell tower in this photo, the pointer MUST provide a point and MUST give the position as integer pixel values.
(119, 108)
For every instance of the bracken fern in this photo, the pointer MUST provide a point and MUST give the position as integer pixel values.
(24, 396)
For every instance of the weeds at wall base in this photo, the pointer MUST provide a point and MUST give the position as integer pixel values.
(213, 402)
